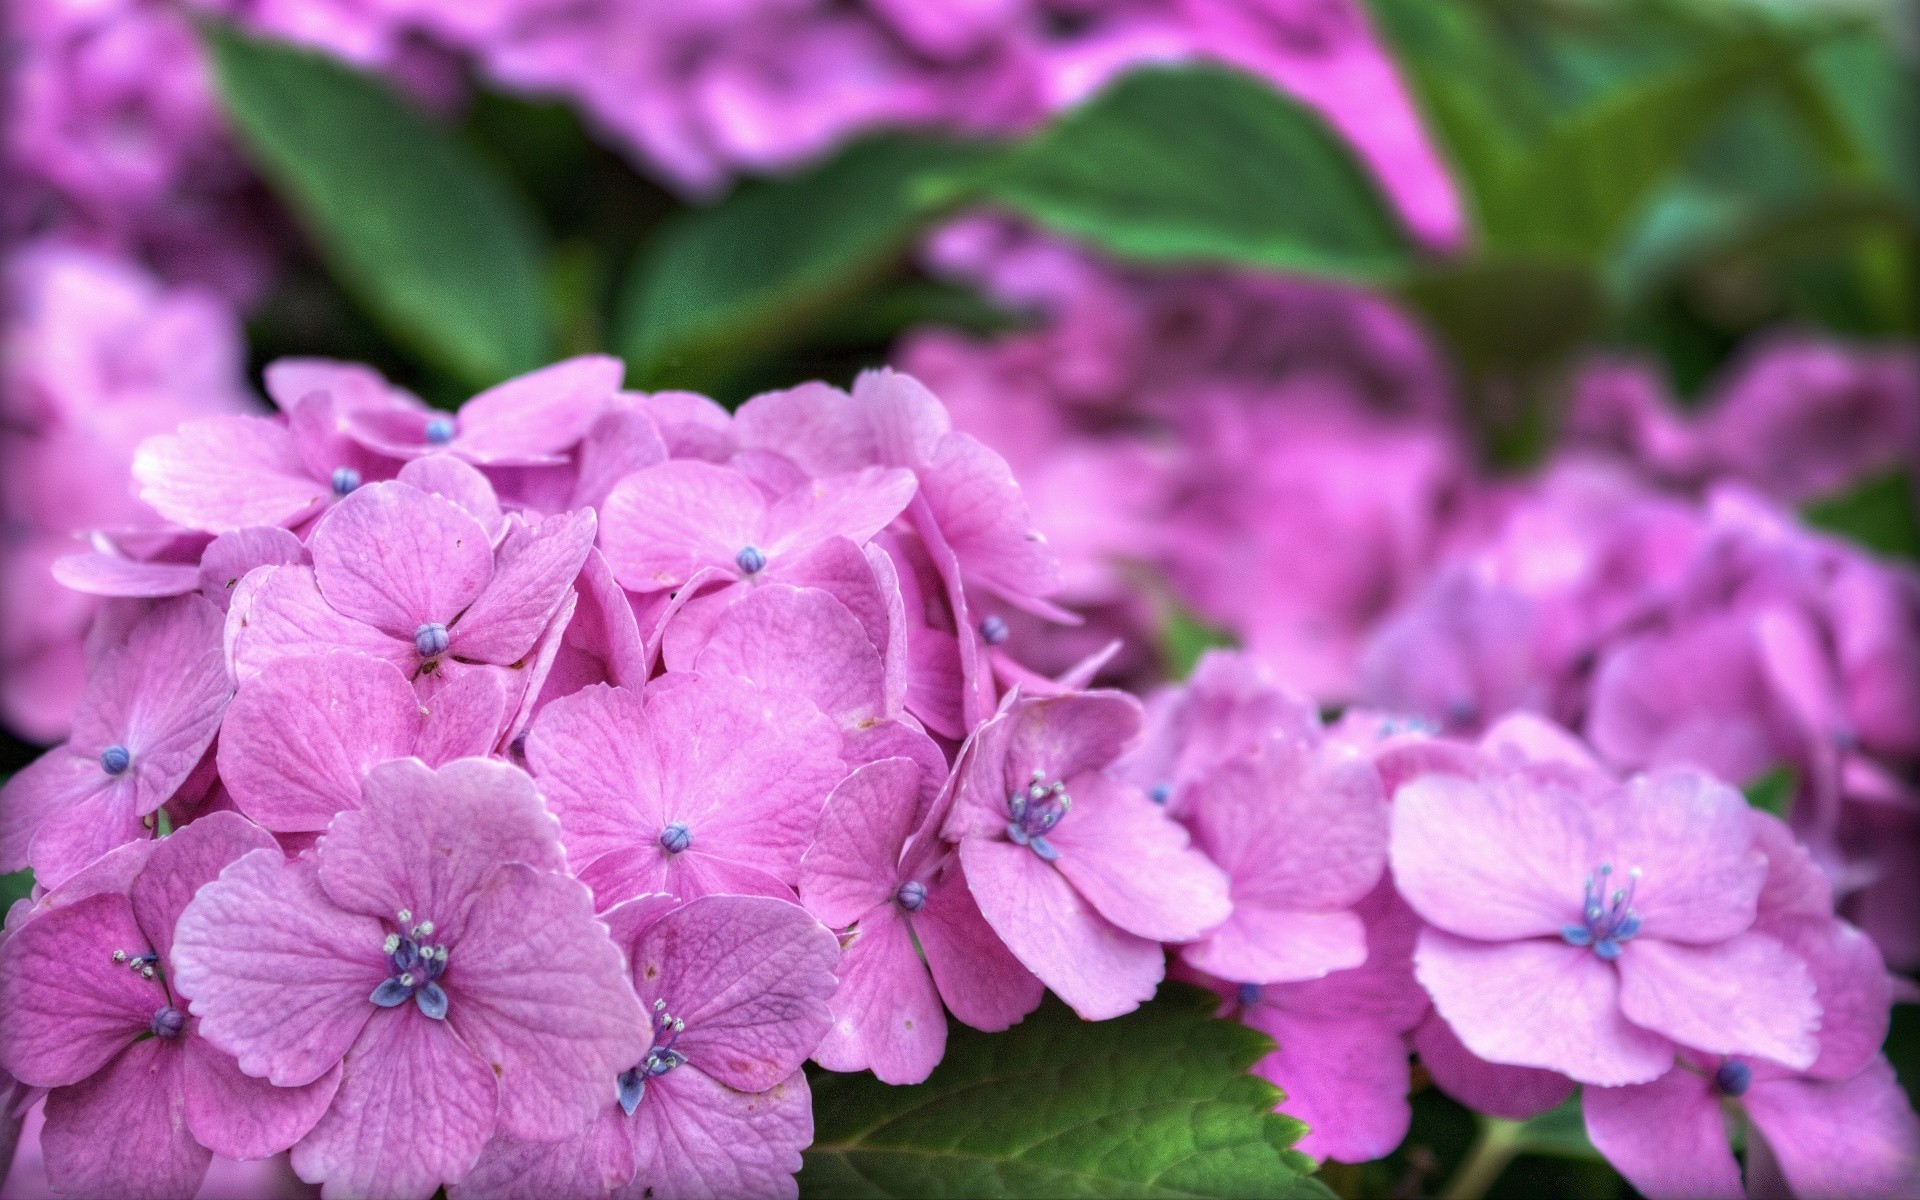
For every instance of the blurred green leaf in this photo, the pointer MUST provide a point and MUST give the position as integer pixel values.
(1155, 1103)
(1201, 163)
(757, 271)
(1559, 1133)
(442, 253)
(1878, 514)
(1184, 637)
(1774, 791)
(16, 886)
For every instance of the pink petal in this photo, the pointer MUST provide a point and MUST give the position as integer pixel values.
(1258, 944)
(984, 518)
(589, 753)
(935, 682)
(1853, 1137)
(278, 975)
(853, 864)
(1538, 1003)
(978, 977)
(452, 479)
(70, 1008)
(1667, 1137)
(533, 573)
(805, 641)
(1496, 858)
(886, 1015)
(283, 615)
(184, 862)
(854, 506)
(540, 412)
(1347, 1080)
(1691, 837)
(100, 574)
(539, 991)
(407, 1066)
(1131, 861)
(225, 473)
(661, 525)
(1099, 969)
(820, 427)
(750, 977)
(1746, 995)
(620, 442)
(123, 1132)
(238, 1116)
(302, 735)
(1062, 736)
(699, 1139)
(426, 840)
(398, 558)
(1851, 985)
(587, 1166)
(55, 782)
(463, 719)
(82, 831)
(626, 874)
(1510, 1093)
(227, 560)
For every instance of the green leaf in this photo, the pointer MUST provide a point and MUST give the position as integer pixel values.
(1155, 1103)
(1184, 637)
(756, 272)
(1559, 1133)
(14, 887)
(1878, 514)
(441, 252)
(1774, 791)
(1202, 163)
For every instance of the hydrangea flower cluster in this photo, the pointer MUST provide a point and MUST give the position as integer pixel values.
(512, 800)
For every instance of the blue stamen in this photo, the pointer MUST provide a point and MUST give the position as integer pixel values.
(168, 1022)
(1160, 794)
(1607, 922)
(439, 431)
(993, 631)
(750, 560)
(1249, 994)
(912, 895)
(675, 838)
(345, 479)
(630, 1087)
(1035, 810)
(416, 966)
(431, 639)
(1733, 1077)
(115, 759)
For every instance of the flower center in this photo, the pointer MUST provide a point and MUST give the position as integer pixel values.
(115, 759)
(750, 560)
(993, 631)
(1607, 921)
(1733, 1078)
(1249, 994)
(345, 479)
(431, 639)
(416, 966)
(662, 1058)
(912, 895)
(675, 837)
(146, 966)
(168, 1022)
(439, 431)
(1036, 809)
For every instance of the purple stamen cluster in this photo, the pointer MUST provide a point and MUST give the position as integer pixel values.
(1035, 810)
(1607, 922)
(417, 967)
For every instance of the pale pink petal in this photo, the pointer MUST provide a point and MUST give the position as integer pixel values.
(1257, 944)
(750, 977)
(53, 783)
(905, 419)
(589, 754)
(1099, 969)
(626, 874)
(283, 615)
(820, 427)
(278, 975)
(1746, 995)
(979, 978)
(238, 1116)
(886, 1015)
(398, 558)
(1851, 985)
(1667, 1137)
(1132, 862)
(532, 574)
(404, 1066)
(934, 681)
(81, 832)
(426, 839)
(699, 1139)
(1510, 1093)
(123, 1132)
(540, 412)
(538, 990)
(586, 1166)
(1538, 1003)
(227, 560)
(70, 1008)
(854, 506)
(621, 441)
(1062, 736)
(1691, 837)
(984, 518)
(1852, 1137)
(853, 864)
(1347, 1080)
(452, 479)
(1495, 858)
(100, 574)
(227, 472)
(805, 641)
(661, 525)
(302, 734)
(462, 719)
(184, 862)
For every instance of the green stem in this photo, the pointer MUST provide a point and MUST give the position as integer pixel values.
(1493, 1149)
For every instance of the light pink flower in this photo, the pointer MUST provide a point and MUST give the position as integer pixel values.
(529, 419)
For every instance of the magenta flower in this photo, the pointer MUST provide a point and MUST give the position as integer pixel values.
(1300, 828)
(717, 1106)
(224, 562)
(149, 714)
(1587, 927)
(527, 420)
(433, 953)
(877, 873)
(300, 737)
(701, 785)
(1081, 875)
(141, 1101)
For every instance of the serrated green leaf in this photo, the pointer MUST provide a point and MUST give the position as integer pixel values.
(1157, 1103)
(1773, 792)
(413, 224)
(755, 272)
(1202, 163)
(1878, 514)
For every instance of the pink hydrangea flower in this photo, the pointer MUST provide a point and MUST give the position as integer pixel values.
(878, 872)
(1588, 927)
(1080, 874)
(152, 707)
(141, 1102)
(1229, 706)
(435, 954)
(529, 419)
(736, 988)
(700, 785)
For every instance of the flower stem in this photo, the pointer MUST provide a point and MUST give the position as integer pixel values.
(1493, 1149)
